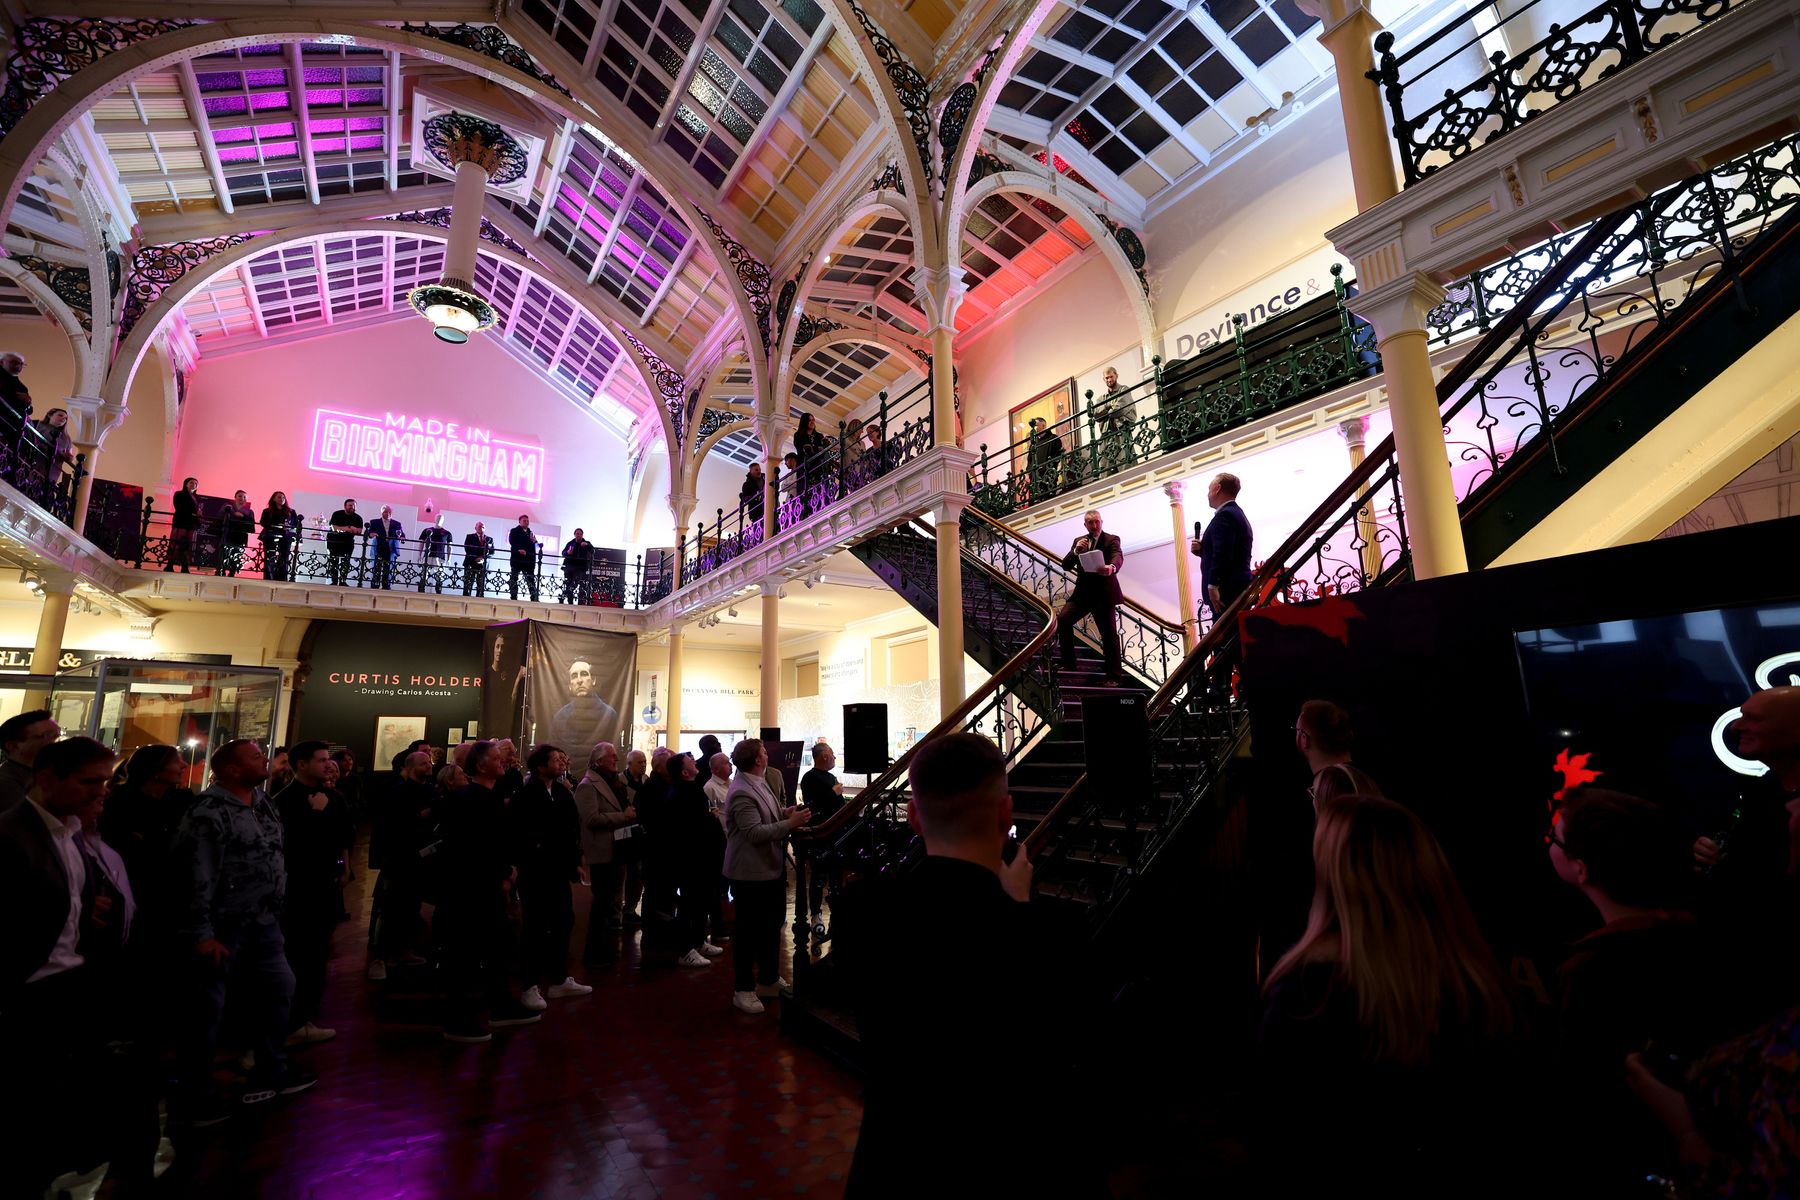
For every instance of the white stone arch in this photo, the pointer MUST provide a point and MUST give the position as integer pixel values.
(57, 111)
(1031, 185)
(132, 349)
(868, 205)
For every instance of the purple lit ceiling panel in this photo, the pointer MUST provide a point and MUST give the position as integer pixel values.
(365, 75)
(223, 106)
(366, 96)
(273, 150)
(361, 124)
(267, 100)
(322, 126)
(238, 133)
(321, 97)
(366, 143)
(218, 81)
(330, 145)
(237, 154)
(322, 75)
(275, 129)
(257, 79)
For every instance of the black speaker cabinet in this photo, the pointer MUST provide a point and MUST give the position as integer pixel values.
(865, 739)
(1115, 732)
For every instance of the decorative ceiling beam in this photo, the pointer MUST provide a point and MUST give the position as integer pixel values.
(632, 191)
(318, 253)
(662, 289)
(202, 130)
(126, 125)
(255, 305)
(387, 275)
(164, 228)
(565, 146)
(296, 77)
(678, 90)
(820, 38)
(390, 129)
(219, 10)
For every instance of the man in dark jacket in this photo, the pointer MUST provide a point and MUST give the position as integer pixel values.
(545, 830)
(434, 553)
(315, 827)
(23, 737)
(340, 543)
(954, 1090)
(400, 828)
(1224, 549)
(822, 795)
(523, 544)
(1043, 459)
(476, 548)
(385, 539)
(578, 566)
(1097, 593)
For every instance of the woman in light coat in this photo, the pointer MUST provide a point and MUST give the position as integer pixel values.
(601, 803)
(756, 830)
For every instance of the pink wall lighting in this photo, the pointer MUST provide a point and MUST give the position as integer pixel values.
(400, 448)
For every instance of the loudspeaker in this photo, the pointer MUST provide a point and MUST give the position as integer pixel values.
(865, 739)
(1115, 734)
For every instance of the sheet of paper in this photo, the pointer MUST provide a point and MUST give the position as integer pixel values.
(1092, 560)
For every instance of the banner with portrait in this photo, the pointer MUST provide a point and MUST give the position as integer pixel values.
(576, 687)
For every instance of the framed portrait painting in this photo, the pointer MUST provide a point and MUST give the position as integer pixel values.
(394, 734)
(1052, 404)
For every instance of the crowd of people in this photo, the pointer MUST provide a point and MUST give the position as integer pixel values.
(218, 910)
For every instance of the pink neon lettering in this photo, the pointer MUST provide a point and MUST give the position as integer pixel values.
(401, 448)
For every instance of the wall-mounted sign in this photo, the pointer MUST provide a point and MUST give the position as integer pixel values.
(16, 660)
(399, 448)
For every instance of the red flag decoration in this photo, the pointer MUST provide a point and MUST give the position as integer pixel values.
(1574, 770)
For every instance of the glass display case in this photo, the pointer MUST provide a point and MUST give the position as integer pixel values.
(127, 703)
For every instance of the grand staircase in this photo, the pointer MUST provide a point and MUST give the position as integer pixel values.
(1594, 335)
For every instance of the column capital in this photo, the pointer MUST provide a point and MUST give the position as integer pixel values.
(1398, 305)
(773, 432)
(939, 291)
(1340, 14)
(1354, 431)
(681, 507)
(143, 628)
(674, 629)
(91, 419)
(1173, 490)
(948, 508)
(770, 587)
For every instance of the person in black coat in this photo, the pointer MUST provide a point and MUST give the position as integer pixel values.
(545, 831)
(184, 524)
(969, 1065)
(578, 568)
(385, 539)
(236, 524)
(315, 827)
(523, 544)
(476, 548)
(279, 522)
(1224, 549)
(142, 811)
(434, 553)
(340, 543)
(1097, 593)
(752, 495)
(809, 444)
(699, 858)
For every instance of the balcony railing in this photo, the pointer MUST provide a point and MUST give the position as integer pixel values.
(1263, 369)
(37, 459)
(1571, 58)
(863, 451)
(306, 553)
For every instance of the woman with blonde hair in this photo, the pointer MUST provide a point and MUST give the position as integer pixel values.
(1385, 1030)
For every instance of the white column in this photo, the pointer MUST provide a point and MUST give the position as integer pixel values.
(771, 653)
(952, 688)
(940, 291)
(1184, 583)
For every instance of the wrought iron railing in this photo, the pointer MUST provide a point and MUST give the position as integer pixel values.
(1263, 369)
(307, 553)
(1512, 89)
(1739, 196)
(898, 431)
(731, 534)
(37, 459)
(1149, 646)
(1357, 538)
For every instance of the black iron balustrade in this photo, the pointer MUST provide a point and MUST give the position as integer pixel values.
(304, 556)
(732, 533)
(897, 432)
(1571, 58)
(1148, 645)
(1263, 369)
(1357, 538)
(37, 459)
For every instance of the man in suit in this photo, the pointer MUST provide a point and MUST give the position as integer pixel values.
(1097, 592)
(1224, 549)
(1043, 459)
(22, 737)
(385, 536)
(524, 555)
(476, 548)
(605, 809)
(586, 719)
(339, 543)
(50, 1035)
(823, 795)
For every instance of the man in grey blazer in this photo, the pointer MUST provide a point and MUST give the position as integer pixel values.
(602, 803)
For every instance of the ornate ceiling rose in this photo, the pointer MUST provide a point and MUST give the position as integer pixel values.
(453, 138)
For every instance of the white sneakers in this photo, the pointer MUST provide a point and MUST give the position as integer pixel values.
(568, 987)
(377, 971)
(533, 999)
(693, 958)
(710, 950)
(747, 1002)
(773, 989)
(309, 1033)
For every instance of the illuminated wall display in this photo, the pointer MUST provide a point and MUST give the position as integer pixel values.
(399, 448)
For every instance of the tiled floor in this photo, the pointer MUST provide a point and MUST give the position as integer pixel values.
(653, 1086)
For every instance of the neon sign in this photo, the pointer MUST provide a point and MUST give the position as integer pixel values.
(1765, 678)
(398, 448)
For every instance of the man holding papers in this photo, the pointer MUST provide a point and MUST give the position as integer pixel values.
(1096, 558)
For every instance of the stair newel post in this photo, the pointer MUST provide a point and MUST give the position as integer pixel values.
(1093, 443)
(640, 583)
(882, 424)
(719, 537)
(984, 465)
(1242, 350)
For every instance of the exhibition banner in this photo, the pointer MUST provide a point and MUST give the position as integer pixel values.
(559, 684)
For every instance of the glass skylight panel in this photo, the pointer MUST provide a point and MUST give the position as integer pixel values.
(569, 23)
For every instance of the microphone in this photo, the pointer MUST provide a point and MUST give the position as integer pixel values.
(1196, 531)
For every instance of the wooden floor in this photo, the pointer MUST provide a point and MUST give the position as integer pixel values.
(653, 1086)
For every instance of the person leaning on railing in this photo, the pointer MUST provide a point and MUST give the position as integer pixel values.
(235, 526)
(183, 524)
(809, 443)
(15, 397)
(279, 522)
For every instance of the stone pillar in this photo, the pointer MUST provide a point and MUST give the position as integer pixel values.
(1349, 34)
(681, 506)
(674, 706)
(773, 433)
(53, 620)
(771, 654)
(952, 689)
(1184, 583)
(1355, 433)
(90, 420)
(284, 706)
(939, 292)
(1397, 308)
